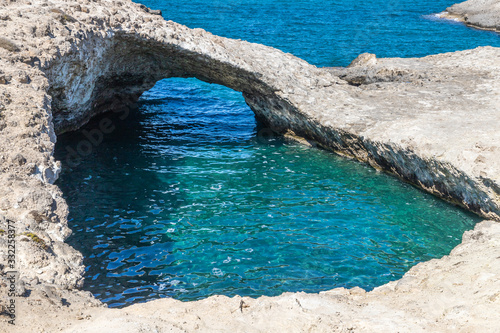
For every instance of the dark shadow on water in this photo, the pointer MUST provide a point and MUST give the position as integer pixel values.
(103, 228)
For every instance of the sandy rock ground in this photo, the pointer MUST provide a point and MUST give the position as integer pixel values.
(431, 121)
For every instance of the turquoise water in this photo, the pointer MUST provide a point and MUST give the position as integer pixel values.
(189, 197)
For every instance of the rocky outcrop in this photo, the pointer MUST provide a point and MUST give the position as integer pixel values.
(482, 14)
(430, 121)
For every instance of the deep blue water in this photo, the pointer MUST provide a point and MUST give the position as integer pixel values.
(331, 32)
(189, 197)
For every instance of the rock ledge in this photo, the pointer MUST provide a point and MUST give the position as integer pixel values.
(481, 14)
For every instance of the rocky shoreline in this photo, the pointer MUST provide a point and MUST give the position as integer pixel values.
(477, 14)
(430, 121)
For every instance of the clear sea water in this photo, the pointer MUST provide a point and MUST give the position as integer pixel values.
(189, 197)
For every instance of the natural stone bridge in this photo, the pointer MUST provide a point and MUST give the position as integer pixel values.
(431, 121)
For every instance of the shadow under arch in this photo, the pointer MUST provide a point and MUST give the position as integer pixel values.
(111, 73)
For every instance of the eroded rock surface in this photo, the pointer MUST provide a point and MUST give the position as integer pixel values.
(431, 121)
(482, 14)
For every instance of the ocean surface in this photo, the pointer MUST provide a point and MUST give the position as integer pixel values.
(189, 197)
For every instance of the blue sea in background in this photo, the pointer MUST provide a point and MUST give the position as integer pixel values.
(186, 198)
(331, 32)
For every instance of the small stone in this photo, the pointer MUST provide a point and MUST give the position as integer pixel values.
(8, 45)
(23, 78)
(27, 57)
(57, 11)
(364, 59)
(120, 18)
(155, 11)
(4, 204)
(20, 288)
(357, 291)
(19, 159)
(39, 218)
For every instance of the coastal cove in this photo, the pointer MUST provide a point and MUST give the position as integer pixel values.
(189, 198)
(431, 122)
(126, 261)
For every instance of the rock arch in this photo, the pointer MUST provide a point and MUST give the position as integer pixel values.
(351, 111)
(102, 73)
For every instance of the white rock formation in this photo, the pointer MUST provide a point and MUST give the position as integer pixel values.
(481, 14)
